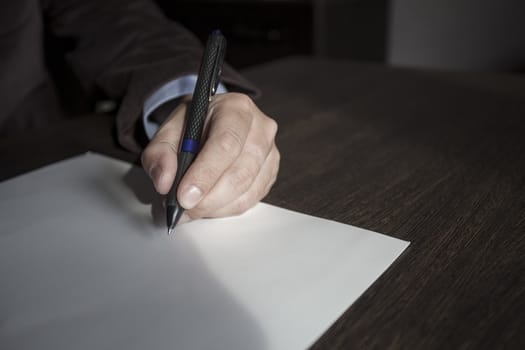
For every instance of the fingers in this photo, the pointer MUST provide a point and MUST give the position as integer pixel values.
(231, 118)
(235, 168)
(243, 172)
(257, 191)
(159, 158)
(227, 181)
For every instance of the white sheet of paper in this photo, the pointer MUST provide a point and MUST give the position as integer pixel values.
(82, 266)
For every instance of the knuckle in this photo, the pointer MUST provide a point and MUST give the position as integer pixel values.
(258, 151)
(241, 101)
(241, 178)
(230, 142)
(168, 145)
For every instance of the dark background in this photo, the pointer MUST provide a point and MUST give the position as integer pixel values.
(444, 34)
(472, 35)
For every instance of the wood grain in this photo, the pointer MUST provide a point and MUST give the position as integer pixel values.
(435, 158)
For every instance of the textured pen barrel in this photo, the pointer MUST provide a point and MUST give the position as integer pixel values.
(201, 97)
(205, 88)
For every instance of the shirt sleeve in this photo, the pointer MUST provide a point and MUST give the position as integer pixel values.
(169, 91)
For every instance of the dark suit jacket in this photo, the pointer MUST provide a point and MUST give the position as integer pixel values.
(123, 48)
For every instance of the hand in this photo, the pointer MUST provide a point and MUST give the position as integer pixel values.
(237, 164)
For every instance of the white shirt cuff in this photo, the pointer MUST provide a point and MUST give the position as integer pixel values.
(169, 91)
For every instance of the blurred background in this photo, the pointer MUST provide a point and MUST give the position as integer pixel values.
(471, 35)
(487, 35)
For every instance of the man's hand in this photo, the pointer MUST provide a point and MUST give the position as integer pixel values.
(237, 164)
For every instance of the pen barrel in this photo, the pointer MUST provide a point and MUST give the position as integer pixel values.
(207, 81)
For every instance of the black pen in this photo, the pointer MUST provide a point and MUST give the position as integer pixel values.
(205, 88)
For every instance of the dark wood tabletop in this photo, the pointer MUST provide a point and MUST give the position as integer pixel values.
(435, 158)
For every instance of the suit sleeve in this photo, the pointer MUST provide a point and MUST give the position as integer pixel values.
(128, 49)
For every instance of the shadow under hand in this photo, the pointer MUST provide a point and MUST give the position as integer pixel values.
(92, 281)
(139, 182)
(114, 291)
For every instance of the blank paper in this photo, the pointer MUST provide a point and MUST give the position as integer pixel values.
(85, 263)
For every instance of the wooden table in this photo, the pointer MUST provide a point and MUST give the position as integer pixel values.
(435, 158)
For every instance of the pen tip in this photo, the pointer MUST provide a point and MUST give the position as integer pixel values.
(173, 214)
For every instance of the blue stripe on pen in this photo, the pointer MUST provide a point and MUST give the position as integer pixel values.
(190, 145)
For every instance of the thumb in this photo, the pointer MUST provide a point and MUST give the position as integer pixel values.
(159, 158)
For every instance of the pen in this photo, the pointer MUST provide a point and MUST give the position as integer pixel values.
(205, 88)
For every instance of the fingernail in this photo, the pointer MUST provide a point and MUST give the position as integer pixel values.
(191, 196)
